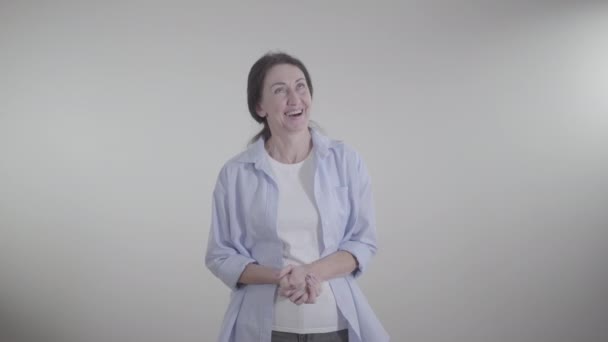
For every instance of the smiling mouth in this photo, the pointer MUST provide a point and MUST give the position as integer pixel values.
(295, 113)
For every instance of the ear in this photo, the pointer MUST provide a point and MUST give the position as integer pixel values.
(260, 111)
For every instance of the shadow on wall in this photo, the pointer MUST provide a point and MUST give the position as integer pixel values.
(16, 327)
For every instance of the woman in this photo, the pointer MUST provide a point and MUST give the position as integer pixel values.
(293, 222)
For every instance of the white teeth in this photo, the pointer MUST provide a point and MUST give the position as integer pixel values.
(294, 113)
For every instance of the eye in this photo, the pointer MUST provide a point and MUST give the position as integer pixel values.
(278, 90)
(301, 86)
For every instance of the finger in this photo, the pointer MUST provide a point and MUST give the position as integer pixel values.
(296, 281)
(288, 291)
(312, 296)
(285, 271)
(315, 278)
(313, 281)
(311, 291)
(302, 299)
(296, 296)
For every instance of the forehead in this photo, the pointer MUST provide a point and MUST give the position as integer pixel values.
(286, 73)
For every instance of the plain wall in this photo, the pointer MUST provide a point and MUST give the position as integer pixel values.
(484, 126)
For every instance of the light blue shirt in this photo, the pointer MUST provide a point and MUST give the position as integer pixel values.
(244, 230)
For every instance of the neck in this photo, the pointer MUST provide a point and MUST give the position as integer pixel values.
(290, 149)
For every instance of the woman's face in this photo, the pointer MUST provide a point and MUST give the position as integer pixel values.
(285, 100)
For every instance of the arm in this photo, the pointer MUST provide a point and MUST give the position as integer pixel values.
(338, 264)
(303, 283)
(335, 265)
(223, 257)
(226, 260)
(360, 236)
(358, 245)
(257, 274)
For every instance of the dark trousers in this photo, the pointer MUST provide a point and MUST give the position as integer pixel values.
(336, 336)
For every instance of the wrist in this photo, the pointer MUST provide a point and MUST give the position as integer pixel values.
(276, 276)
(316, 269)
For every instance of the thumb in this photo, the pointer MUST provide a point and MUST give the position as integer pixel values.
(285, 271)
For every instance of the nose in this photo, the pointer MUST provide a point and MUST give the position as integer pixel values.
(292, 98)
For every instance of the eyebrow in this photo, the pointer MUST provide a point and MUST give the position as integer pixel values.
(283, 83)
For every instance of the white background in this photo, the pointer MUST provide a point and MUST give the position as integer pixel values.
(484, 126)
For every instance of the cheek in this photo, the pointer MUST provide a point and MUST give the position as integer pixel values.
(275, 110)
(308, 102)
(277, 107)
(272, 106)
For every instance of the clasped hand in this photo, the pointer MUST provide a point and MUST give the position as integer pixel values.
(299, 285)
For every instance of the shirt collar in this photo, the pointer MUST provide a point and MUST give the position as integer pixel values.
(256, 152)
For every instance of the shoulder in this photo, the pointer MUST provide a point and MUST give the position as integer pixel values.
(345, 160)
(345, 152)
(338, 148)
(234, 166)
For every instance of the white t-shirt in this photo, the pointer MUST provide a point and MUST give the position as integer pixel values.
(298, 228)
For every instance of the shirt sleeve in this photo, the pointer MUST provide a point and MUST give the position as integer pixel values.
(222, 256)
(360, 236)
